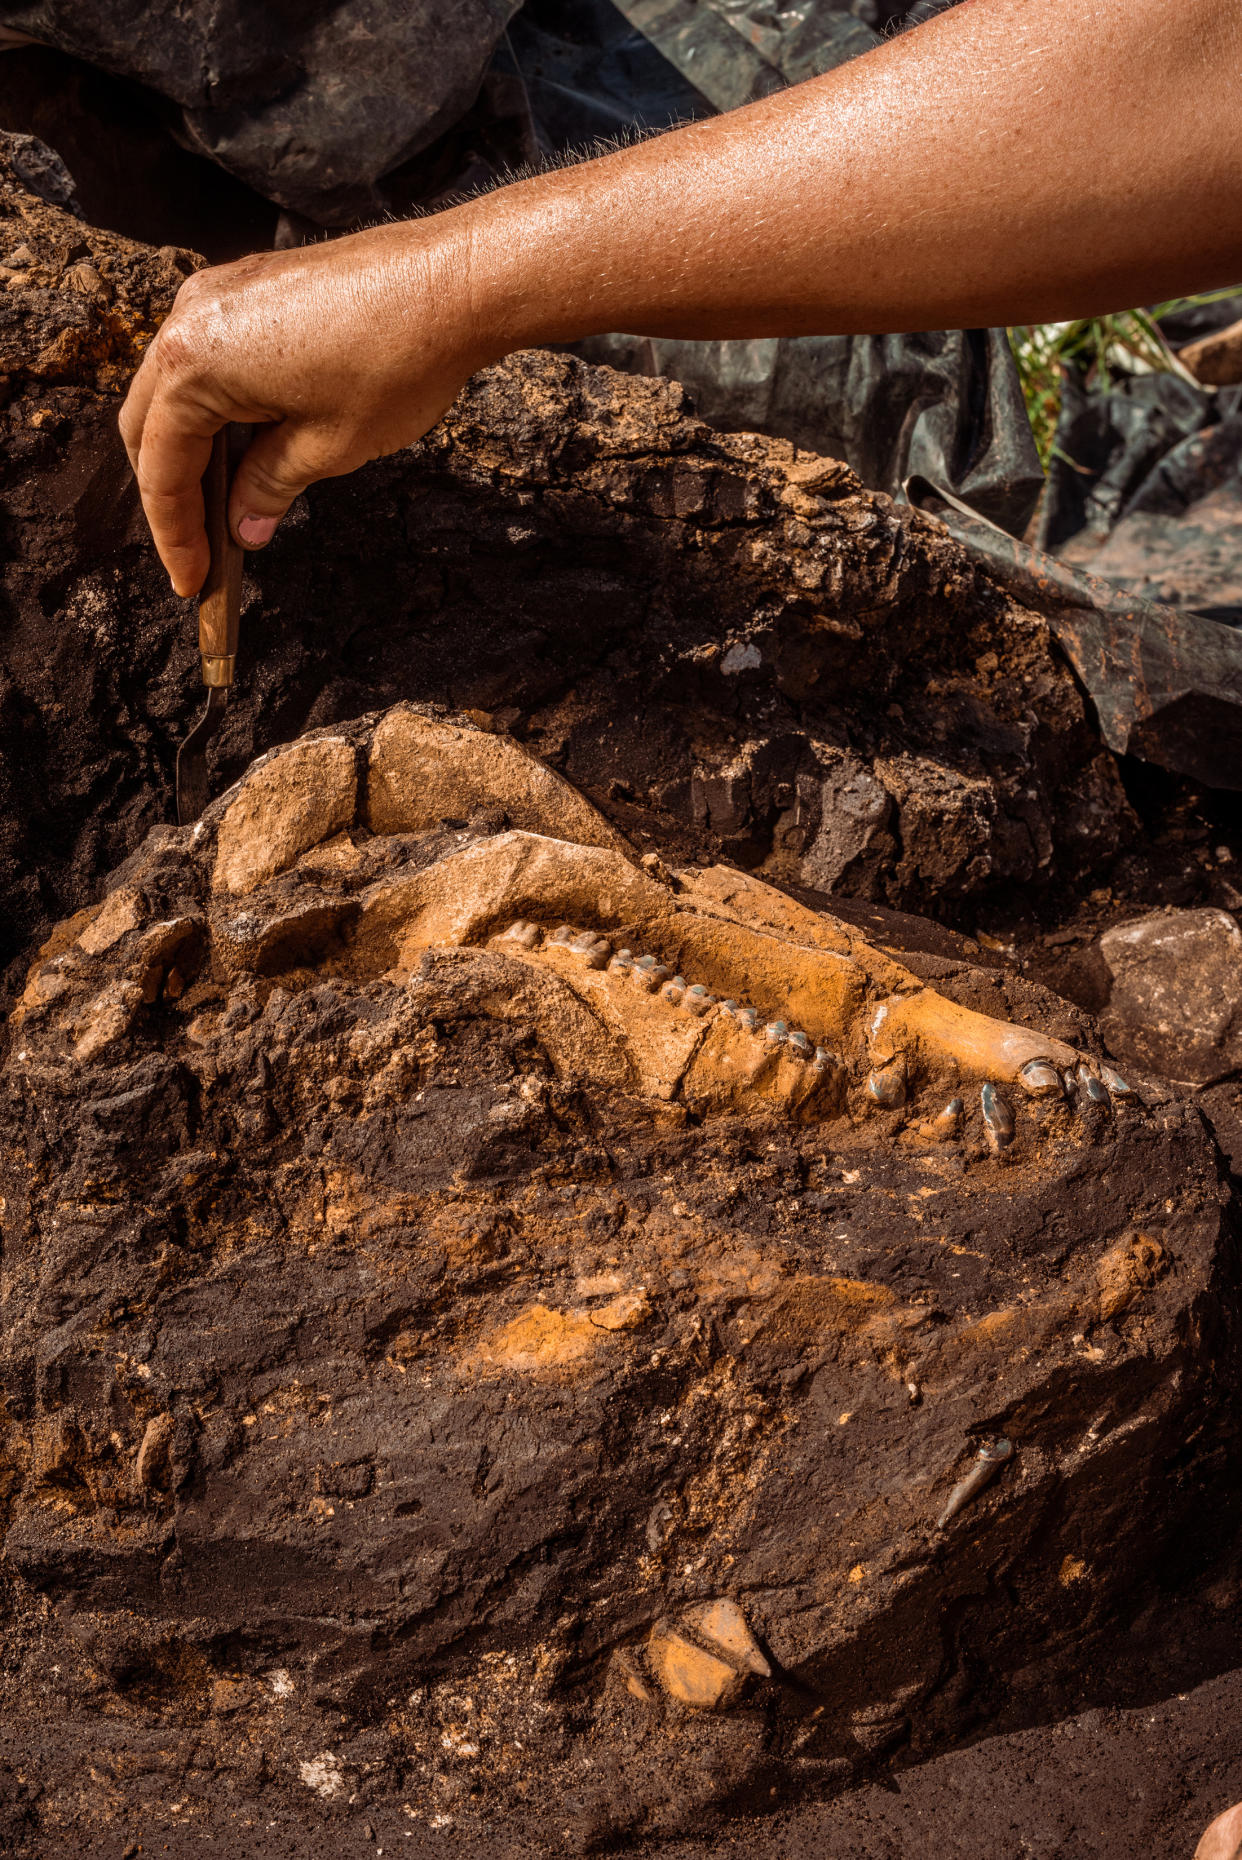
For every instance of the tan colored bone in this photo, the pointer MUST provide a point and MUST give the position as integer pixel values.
(936, 1030)
(423, 771)
(461, 899)
(287, 803)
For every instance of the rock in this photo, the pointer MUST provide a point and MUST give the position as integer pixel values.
(1166, 682)
(1216, 360)
(723, 1626)
(689, 1674)
(427, 1313)
(310, 107)
(1175, 1005)
(152, 1464)
(85, 322)
(106, 1019)
(289, 803)
(121, 913)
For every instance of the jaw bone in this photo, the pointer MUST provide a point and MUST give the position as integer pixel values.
(704, 986)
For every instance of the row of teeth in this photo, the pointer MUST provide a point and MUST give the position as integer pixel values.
(653, 977)
(886, 1085)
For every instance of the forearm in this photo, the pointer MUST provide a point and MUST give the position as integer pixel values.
(1012, 161)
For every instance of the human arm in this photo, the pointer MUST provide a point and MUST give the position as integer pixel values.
(1010, 161)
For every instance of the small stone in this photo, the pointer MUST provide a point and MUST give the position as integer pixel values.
(152, 1464)
(526, 935)
(725, 1626)
(121, 912)
(689, 1674)
(1176, 982)
(108, 1018)
(946, 1125)
(229, 1695)
(624, 1313)
(84, 279)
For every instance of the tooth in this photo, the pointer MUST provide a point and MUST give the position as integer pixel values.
(698, 1000)
(800, 1044)
(649, 973)
(825, 1059)
(675, 990)
(527, 934)
(1116, 1084)
(997, 1118)
(1096, 1093)
(622, 962)
(597, 956)
(887, 1085)
(946, 1124)
(749, 1019)
(1039, 1079)
(564, 934)
(776, 1033)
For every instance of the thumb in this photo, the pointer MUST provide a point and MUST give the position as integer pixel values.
(276, 467)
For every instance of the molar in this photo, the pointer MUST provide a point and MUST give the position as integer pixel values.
(887, 1085)
(1040, 1079)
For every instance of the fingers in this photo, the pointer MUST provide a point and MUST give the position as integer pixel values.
(172, 458)
(277, 467)
(1223, 1839)
(167, 433)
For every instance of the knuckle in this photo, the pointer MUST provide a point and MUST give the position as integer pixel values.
(174, 351)
(273, 479)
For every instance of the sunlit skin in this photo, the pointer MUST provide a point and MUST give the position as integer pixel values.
(1012, 161)
(1223, 1839)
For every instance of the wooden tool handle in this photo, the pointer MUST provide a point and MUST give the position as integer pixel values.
(219, 605)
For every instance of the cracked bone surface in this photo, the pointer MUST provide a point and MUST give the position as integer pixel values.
(452, 1261)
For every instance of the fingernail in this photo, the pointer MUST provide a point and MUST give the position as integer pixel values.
(255, 531)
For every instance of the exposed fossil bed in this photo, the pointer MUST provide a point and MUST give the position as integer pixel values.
(458, 1384)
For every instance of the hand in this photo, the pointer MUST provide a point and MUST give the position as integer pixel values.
(338, 353)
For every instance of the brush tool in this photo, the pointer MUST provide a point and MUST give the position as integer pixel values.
(219, 611)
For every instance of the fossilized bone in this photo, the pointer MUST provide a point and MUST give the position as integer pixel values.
(705, 987)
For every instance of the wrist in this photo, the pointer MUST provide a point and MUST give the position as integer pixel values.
(515, 270)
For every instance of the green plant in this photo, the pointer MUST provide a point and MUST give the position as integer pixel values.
(1099, 348)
